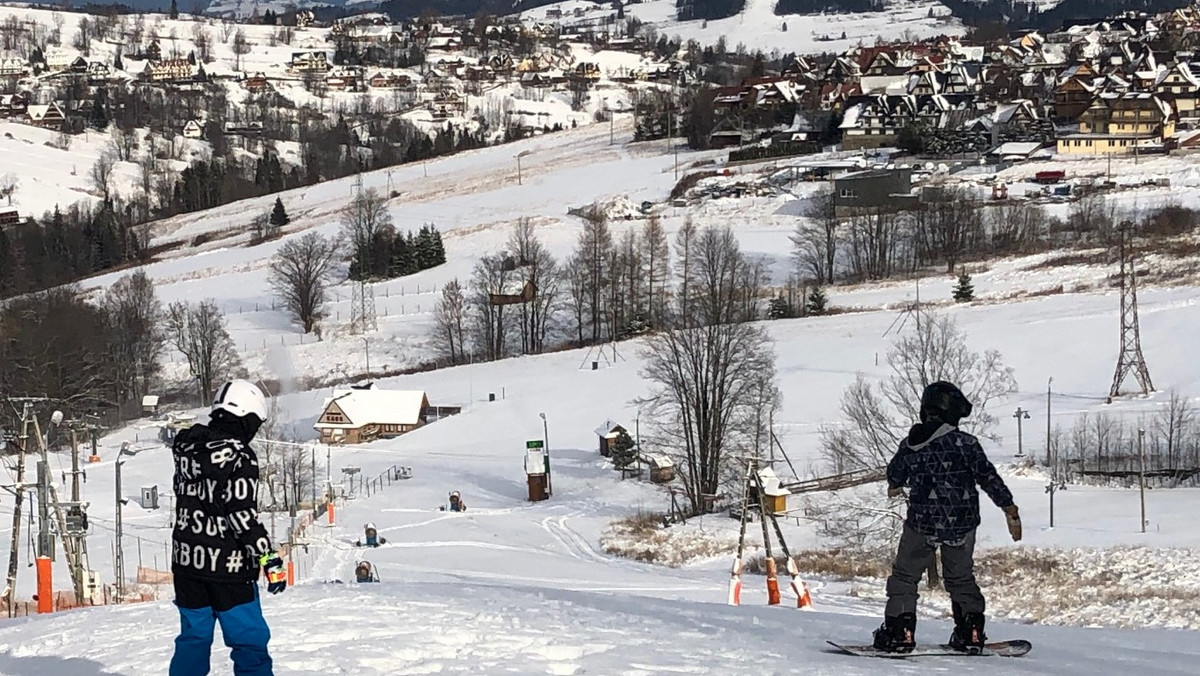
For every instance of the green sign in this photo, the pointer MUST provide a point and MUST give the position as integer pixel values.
(536, 443)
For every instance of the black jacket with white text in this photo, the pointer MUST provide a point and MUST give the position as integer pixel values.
(217, 534)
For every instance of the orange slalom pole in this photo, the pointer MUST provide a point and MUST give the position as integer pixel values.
(291, 572)
(45, 595)
(329, 512)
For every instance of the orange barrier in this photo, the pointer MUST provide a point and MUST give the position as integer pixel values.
(45, 595)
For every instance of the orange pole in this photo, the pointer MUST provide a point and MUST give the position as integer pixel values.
(329, 512)
(291, 570)
(45, 595)
(772, 584)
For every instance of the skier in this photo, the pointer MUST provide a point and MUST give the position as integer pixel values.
(941, 466)
(219, 546)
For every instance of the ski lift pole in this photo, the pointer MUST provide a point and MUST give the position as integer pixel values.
(772, 578)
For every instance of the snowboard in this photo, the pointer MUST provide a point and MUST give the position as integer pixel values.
(1015, 648)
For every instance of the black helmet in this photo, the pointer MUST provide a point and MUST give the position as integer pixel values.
(944, 402)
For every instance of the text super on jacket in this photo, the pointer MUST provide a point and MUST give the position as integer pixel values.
(217, 534)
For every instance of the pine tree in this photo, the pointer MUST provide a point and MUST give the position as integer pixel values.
(964, 291)
(818, 303)
(403, 260)
(780, 308)
(174, 10)
(624, 451)
(117, 63)
(279, 217)
(99, 117)
(439, 250)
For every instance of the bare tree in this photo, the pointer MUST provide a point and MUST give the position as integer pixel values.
(815, 241)
(575, 281)
(713, 382)
(540, 269)
(136, 337)
(198, 331)
(656, 269)
(594, 249)
(877, 417)
(362, 220)
(490, 325)
(102, 173)
(685, 239)
(449, 315)
(122, 145)
(300, 274)
(240, 48)
(1172, 423)
(8, 186)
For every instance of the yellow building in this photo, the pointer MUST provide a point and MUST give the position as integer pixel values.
(1121, 124)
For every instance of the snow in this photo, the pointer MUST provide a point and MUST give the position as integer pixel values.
(518, 587)
(757, 27)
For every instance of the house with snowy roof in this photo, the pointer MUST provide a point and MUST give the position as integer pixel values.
(357, 416)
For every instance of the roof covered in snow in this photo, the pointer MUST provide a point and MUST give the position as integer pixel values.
(379, 407)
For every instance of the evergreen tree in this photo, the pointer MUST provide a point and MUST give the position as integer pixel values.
(174, 10)
(624, 451)
(403, 259)
(279, 217)
(99, 117)
(780, 308)
(117, 63)
(818, 303)
(964, 291)
(439, 250)
(192, 57)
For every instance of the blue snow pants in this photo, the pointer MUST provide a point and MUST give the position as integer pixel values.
(202, 604)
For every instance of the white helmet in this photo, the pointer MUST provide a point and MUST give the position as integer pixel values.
(241, 398)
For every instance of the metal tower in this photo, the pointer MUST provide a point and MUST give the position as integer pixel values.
(362, 308)
(1130, 358)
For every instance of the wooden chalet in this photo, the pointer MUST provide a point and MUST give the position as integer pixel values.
(49, 115)
(358, 416)
(608, 433)
(256, 83)
(514, 291)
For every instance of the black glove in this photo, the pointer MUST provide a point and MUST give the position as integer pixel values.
(276, 574)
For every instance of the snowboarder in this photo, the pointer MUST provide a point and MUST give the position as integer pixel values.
(941, 466)
(456, 503)
(219, 547)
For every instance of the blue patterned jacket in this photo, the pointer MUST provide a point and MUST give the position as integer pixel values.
(941, 466)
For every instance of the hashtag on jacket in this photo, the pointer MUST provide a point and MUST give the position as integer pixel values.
(941, 466)
(217, 534)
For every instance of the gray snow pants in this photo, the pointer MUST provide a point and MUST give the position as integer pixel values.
(914, 555)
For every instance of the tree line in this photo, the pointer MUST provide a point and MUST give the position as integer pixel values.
(950, 226)
(101, 355)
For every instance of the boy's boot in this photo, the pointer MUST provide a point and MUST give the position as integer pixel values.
(897, 634)
(968, 633)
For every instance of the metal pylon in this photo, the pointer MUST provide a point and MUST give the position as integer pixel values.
(362, 308)
(1130, 358)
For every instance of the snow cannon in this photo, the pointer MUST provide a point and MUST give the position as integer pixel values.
(365, 572)
(370, 537)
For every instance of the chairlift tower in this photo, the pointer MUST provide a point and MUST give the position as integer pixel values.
(362, 308)
(1130, 359)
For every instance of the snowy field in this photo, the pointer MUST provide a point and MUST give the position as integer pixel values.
(758, 27)
(514, 587)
